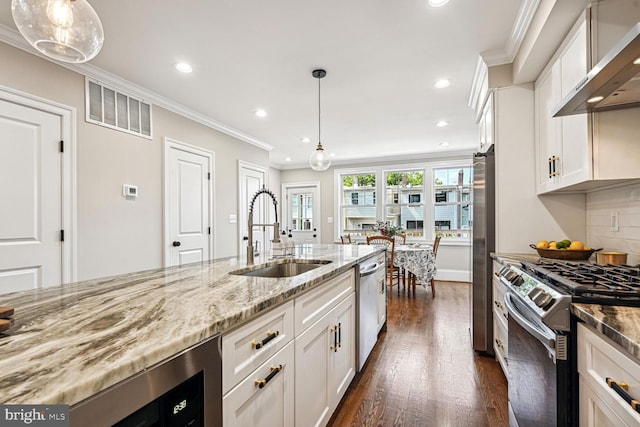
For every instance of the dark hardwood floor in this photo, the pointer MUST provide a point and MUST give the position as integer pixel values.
(423, 371)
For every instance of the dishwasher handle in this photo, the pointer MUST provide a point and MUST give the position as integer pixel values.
(368, 269)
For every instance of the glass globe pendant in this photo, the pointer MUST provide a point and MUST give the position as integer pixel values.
(319, 160)
(65, 30)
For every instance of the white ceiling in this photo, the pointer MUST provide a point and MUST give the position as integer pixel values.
(381, 56)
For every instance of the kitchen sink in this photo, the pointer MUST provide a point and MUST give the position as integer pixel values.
(281, 268)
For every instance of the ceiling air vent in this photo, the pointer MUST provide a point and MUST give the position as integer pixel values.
(116, 110)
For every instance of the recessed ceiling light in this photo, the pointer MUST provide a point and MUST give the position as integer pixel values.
(444, 144)
(332, 154)
(437, 3)
(261, 113)
(595, 99)
(442, 123)
(287, 159)
(440, 84)
(306, 139)
(183, 67)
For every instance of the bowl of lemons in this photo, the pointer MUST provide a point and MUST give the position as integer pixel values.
(564, 249)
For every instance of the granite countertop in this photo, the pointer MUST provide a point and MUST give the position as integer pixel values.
(619, 323)
(73, 341)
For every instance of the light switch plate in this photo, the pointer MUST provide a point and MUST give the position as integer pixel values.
(614, 221)
(233, 218)
(330, 219)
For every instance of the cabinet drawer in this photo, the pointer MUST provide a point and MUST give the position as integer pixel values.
(248, 347)
(310, 307)
(501, 343)
(499, 308)
(598, 359)
(272, 405)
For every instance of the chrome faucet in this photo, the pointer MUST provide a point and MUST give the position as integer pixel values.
(275, 225)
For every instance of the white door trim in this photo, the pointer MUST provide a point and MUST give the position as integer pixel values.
(168, 144)
(68, 127)
(284, 210)
(242, 165)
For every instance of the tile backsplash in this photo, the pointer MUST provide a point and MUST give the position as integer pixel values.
(602, 207)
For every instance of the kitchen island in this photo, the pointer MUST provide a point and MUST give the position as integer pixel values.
(73, 341)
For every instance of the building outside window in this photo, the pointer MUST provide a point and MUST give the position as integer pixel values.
(403, 204)
(358, 203)
(452, 201)
(426, 200)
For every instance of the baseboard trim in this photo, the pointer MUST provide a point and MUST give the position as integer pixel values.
(454, 275)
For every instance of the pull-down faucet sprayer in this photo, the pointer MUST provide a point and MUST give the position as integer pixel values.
(275, 225)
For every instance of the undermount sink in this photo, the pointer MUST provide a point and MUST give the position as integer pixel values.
(281, 268)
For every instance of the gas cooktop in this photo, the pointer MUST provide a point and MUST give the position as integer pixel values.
(590, 283)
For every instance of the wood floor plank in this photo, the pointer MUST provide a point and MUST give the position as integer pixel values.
(423, 371)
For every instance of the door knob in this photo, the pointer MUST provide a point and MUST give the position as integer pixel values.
(176, 243)
(314, 235)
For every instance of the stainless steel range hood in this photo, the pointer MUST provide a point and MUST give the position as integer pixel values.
(616, 78)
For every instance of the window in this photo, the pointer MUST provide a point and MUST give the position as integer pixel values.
(452, 200)
(358, 203)
(425, 199)
(405, 190)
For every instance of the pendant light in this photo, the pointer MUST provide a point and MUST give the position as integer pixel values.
(319, 160)
(65, 30)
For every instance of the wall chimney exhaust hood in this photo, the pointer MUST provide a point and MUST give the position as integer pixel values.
(612, 84)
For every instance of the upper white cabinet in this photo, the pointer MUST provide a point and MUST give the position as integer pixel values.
(486, 124)
(586, 150)
(563, 144)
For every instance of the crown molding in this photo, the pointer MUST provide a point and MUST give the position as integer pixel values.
(13, 38)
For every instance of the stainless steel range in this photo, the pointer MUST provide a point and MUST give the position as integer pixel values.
(542, 347)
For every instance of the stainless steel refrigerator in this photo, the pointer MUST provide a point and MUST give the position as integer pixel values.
(481, 297)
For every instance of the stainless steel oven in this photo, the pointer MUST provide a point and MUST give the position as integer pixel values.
(540, 370)
(543, 379)
(185, 390)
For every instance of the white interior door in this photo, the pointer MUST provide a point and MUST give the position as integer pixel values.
(252, 179)
(188, 204)
(31, 195)
(302, 212)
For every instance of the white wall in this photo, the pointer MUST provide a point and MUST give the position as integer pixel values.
(626, 202)
(115, 235)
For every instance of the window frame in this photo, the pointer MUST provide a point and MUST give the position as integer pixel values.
(380, 170)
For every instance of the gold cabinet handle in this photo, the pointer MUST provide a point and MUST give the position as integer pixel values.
(259, 344)
(274, 371)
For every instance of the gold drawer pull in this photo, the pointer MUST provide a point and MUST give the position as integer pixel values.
(270, 335)
(274, 371)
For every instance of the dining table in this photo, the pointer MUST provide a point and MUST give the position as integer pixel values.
(417, 259)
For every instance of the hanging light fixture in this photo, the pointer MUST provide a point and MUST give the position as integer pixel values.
(319, 160)
(66, 30)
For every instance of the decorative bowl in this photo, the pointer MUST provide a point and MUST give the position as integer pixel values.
(565, 254)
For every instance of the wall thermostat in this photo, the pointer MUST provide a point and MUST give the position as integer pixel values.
(130, 191)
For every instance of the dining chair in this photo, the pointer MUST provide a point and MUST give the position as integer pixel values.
(346, 239)
(389, 243)
(432, 282)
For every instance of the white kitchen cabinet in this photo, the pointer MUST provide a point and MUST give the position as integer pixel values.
(325, 364)
(591, 150)
(563, 144)
(599, 359)
(486, 124)
(266, 397)
(500, 323)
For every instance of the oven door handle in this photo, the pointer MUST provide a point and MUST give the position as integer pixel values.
(548, 341)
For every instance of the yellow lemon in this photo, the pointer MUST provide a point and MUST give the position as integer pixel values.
(586, 248)
(542, 244)
(576, 245)
(553, 245)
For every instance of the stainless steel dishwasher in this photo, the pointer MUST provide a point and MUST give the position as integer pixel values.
(368, 307)
(185, 390)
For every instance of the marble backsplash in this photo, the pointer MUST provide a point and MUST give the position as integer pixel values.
(601, 205)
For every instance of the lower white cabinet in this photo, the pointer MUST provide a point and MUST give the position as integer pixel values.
(598, 360)
(271, 378)
(325, 364)
(382, 295)
(266, 397)
(500, 321)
